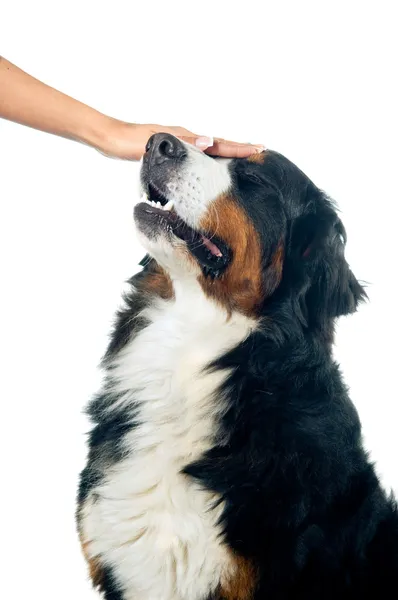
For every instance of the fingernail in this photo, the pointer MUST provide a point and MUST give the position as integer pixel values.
(204, 142)
(259, 148)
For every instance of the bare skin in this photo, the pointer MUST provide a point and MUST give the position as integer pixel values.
(28, 101)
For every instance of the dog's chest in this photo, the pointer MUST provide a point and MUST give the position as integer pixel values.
(154, 526)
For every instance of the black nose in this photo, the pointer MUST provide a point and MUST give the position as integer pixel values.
(163, 146)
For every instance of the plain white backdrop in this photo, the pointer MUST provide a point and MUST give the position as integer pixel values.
(313, 80)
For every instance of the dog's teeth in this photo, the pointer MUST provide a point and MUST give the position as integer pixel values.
(169, 205)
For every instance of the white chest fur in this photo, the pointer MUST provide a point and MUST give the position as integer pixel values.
(153, 525)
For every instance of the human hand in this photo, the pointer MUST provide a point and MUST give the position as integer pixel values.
(30, 102)
(128, 141)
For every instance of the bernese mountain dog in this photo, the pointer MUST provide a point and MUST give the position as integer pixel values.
(225, 458)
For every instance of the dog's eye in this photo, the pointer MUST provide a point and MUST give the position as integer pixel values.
(254, 178)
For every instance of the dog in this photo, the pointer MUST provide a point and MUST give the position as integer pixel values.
(225, 456)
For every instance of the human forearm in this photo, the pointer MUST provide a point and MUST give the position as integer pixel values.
(30, 102)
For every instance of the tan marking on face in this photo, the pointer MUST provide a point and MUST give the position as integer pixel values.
(241, 286)
(242, 585)
(258, 158)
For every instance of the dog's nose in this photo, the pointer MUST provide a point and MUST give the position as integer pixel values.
(163, 146)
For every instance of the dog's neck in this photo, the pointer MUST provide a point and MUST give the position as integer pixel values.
(194, 315)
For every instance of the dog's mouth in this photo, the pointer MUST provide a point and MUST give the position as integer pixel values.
(158, 213)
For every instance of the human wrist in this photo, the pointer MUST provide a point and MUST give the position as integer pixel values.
(98, 131)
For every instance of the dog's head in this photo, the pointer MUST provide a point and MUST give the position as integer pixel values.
(254, 232)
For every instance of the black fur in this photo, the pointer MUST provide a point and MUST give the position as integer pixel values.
(302, 500)
(128, 320)
(109, 586)
(105, 440)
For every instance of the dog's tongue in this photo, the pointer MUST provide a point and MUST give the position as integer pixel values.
(212, 247)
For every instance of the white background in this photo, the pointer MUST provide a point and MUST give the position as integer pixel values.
(311, 80)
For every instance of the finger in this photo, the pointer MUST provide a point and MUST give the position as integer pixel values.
(201, 142)
(233, 149)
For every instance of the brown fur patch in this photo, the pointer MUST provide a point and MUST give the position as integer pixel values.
(258, 158)
(156, 281)
(94, 567)
(241, 286)
(242, 585)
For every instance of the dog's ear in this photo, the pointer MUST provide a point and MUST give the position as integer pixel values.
(328, 288)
